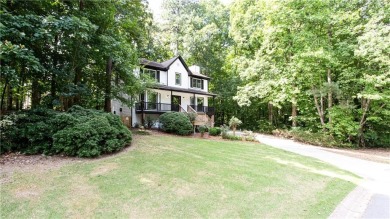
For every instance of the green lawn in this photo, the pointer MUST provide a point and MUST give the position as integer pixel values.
(166, 176)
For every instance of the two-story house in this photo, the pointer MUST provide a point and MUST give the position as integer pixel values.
(177, 88)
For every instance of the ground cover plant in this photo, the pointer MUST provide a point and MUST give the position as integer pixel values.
(165, 176)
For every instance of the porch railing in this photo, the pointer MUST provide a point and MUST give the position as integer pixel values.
(156, 107)
(206, 109)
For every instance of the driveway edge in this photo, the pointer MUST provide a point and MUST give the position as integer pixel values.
(354, 205)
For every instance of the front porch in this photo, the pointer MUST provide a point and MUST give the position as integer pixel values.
(159, 108)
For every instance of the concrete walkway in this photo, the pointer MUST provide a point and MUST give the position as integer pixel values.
(371, 199)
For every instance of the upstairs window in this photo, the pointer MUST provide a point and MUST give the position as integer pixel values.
(197, 83)
(151, 74)
(178, 78)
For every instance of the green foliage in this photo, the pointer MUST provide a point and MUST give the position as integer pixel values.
(329, 60)
(234, 122)
(343, 126)
(59, 50)
(176, 122)
(95, 133)
(265, 126)
(315, 138)
(215, 131)
(78, 132)
(232, 137)
(192, 116)
(150, 122)
(28, 131)
(249, 136)
(224, 130)
(203, 128)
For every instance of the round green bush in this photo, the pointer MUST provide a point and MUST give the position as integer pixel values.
(176, 122)
(78, 132)
(215, 131)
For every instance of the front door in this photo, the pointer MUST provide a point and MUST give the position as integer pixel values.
(176, 101)
(200, 104)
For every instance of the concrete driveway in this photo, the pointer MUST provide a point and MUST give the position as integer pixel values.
(371, 199)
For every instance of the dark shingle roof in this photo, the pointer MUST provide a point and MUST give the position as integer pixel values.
(164, 66)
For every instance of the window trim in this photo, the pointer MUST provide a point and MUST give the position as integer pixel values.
(178, 73)
(195, 82)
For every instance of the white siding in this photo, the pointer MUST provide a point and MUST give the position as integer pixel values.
(177, 66)
(163, 77)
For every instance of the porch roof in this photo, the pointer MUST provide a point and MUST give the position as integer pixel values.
(191, 91)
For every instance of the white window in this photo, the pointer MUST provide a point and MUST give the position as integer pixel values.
(197, 83)
(178, 78)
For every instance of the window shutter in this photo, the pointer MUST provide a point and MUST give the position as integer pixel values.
(202, 83)
(158, 76)
(191, 83)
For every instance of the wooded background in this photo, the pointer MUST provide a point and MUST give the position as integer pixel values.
(319, 66)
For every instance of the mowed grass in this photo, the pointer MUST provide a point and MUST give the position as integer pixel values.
(168, 176)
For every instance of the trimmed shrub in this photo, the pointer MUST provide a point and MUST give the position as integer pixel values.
(215, 131)
(232, 137)
(27, 131)
(176, 122)
(78, 132)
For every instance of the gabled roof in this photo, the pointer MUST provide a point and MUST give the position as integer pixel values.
(164, 66)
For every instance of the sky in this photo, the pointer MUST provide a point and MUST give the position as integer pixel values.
(155, 6)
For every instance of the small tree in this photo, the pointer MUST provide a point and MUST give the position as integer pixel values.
(192, 117)
(233, 123)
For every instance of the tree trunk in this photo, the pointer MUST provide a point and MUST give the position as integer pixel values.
(270, 113)
(17, 99)
(329, 77)
(294, 111)
(77, 82)
(330, 99)
(9, 97)
(319, 111)
(107, 98)
(294, 115)
(35, 95)
(2, 96)
(365, 107)
(53, 84)
(81, 5)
